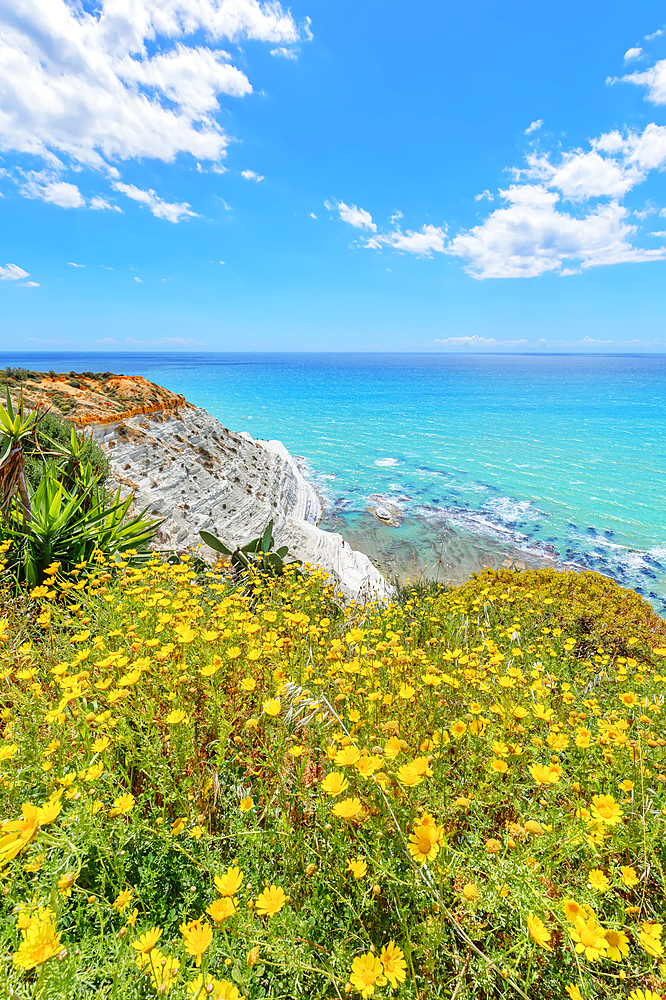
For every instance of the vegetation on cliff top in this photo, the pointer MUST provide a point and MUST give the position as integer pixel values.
(216, 791)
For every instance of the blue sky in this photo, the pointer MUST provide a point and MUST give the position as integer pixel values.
(231, 175)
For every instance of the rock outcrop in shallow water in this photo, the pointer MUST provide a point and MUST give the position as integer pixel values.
(186, 467)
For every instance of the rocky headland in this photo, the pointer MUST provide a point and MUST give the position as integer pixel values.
(184, 466)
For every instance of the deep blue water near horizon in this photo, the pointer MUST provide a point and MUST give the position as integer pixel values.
(479, 454)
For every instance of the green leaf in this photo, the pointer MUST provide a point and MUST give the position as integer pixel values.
(215, 543)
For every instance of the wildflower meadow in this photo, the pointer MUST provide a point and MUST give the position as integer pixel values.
(214, 788)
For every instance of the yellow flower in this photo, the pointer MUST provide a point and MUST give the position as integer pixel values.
(248, 684)
(347, 756)
(393, 960)
(252, 956)
(65, 883)
(177, 716)
(538, 931)
(406, 692)
(216, 989)
(357, 867)
(348, 808)
(606, 810)
(470, 892)
(462, 802)
(122, 900)
(573, 910)
(8, 751)
(629, 699)
(178, 825)
(246, 804)
(367, 972)
(645, 994)
(368, 764)
(627, 785)
(101, 744)
(590, 939)
(573, 992)
(424, 841)
(147, 941)
(162, 969)
(618, 945)
(40, 942)
(650, 938)
(197, 937)
(629, 876)
(543, 775)
(458, 729)
(270, 901)
(499, 765)
(493, 846)
(222, 909)
(392, 748)
(334, 783)
(272, 707)
(230, 883)
(408, 775)
(598, 880)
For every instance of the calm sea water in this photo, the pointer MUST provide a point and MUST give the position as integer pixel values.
(483, 459)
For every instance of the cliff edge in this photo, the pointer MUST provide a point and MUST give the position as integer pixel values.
(185, 467)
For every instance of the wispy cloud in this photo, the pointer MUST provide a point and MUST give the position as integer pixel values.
(534, 126)
(250, 175)
(43, 185)
(630, 54)
(72, 264)
(476, 341)
(282, 52)
(357, 217)
(12, 272)
(171, 211)
(97, 203)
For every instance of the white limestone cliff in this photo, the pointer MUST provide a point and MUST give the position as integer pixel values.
(184, 466)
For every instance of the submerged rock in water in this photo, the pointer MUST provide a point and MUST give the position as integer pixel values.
(184, 466)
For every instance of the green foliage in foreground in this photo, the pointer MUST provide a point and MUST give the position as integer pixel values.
(461, 794)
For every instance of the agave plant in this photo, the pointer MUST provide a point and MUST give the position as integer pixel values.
(69, 527)
(14, 428)
(255, 556)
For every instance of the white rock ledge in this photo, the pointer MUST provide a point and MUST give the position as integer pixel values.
(185, 467)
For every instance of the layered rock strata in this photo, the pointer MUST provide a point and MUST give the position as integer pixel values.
(184, 466)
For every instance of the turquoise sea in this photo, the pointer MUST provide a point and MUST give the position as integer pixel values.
(482, 459)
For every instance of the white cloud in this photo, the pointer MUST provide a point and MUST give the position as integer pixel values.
(42, 184)
(250, 175)
(12, 272)
(592, 340)
(484, 194)
(283, 52)
(395, 217)
(98, 203)
(635, 53)
(84, 85)
(171, 211)
(661, 233)
(534, 126)
(357, 217)
(654, 79)
(312, 215)
(531, 237)
(477, 341)
(421, 243)
(138, 279)
(29, 284)
(72, 264)
(655, 34)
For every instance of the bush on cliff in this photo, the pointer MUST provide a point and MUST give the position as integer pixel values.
(207, 792)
